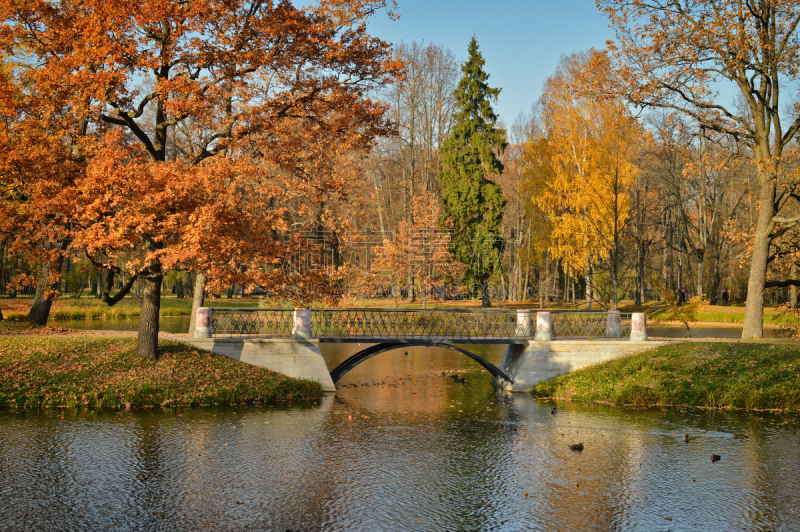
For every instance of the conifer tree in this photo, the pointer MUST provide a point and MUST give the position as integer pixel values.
(472, 203)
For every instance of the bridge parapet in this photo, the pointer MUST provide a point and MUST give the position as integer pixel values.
(457, 325)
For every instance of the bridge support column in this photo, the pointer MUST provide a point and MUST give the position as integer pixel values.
(613, 324)
(202, 323)
(639, 327)
(544, 326)
(534, 362)
(302, 323)
(523, 323)
(294, 357)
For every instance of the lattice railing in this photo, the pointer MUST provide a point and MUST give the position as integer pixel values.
(380, 324)
(569, 324)
(273, 322)
(417, 324)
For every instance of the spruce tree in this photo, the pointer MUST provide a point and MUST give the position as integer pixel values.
(472, 203)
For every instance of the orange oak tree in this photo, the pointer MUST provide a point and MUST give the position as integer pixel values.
(676, 55)
(274, 95)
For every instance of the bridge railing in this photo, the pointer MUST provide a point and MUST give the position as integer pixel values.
(378, 324)
(417, 324)
(271, 322)
(587, 324)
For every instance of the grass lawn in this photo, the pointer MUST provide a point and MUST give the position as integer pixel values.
(750, 375)
(74, 371)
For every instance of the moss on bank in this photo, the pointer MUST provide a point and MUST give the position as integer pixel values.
(704, 374)
(50, 371)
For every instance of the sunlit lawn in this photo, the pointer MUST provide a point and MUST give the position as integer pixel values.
(106, 372)
(708, 374)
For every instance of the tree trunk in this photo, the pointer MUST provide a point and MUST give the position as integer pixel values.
(486, 301)
(753, 326)
(147, 341)
(793, 289)
(179, 286)
(2, 269)
(198, 299)
(717, 279)
(43, 300)
(639, 295)
(701, 268)
(588, 278)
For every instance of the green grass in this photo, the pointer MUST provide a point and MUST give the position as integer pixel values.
(702, 374)
(50, 371)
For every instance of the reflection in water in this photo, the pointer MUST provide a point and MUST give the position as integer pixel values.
(400, 447)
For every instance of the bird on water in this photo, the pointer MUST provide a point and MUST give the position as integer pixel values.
(576, 447)
(686, 438)
(715, 457)
(553, 411)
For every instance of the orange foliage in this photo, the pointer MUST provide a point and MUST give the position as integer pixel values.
(420, 250)
(182, 134)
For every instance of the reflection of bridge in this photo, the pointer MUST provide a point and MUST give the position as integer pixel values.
(287, 340)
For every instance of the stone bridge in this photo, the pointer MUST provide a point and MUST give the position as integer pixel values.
(287, 340)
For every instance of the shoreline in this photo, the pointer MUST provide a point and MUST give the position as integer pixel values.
(104, 371)
(726, 373)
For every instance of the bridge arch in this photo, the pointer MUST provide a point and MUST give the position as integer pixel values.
(365, 354)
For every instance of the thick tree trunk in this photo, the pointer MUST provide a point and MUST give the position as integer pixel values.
(753, 326)
(147, 341)
(179, 286)
(701, 268)
(717, 279)
(198, 299)
(486, 301)
(43, 299)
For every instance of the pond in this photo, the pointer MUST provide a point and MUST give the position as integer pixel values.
(400, 447)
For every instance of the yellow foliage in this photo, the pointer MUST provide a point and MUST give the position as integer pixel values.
(590, 142)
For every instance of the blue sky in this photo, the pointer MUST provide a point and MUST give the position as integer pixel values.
(521, 40)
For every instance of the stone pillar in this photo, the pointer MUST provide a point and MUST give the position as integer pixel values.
(639, 327)
(544, 326)
(523, 323)
(302, 323)
(202, 323)
(613, 324)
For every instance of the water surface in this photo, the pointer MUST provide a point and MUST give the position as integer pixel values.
(400, 447)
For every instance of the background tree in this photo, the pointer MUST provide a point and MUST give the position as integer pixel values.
(472, 203)
(593, 143)
(672, 53)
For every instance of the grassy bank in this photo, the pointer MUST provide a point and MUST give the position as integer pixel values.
(67, 308)
(707, 374)
(58, 371)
